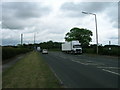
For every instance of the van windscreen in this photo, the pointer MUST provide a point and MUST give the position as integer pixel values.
(76, 46)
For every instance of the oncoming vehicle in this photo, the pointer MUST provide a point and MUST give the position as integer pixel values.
(73, 47)
(38, 49)
(44, 51)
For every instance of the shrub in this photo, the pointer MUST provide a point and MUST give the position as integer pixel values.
(103, 50)
(8, 52)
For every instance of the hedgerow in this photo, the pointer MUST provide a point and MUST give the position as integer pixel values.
(8, 52)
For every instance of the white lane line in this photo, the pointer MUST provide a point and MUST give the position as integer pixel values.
(109, 67)
(79, 62)
(87, 63)
(111, 72)
(102, 69)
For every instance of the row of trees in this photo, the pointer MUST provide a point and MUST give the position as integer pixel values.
(103, 50)
(83, 36)
(80, 34)
(44, 45)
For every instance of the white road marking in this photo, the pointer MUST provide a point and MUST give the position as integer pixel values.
(111, 72)
(56, 75)
(109, 67)
(98, 67)
(86, 63)
(89, 61)
(79, 62)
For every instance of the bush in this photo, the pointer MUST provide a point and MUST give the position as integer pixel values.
(89, 50)
(8, 52)
(112, 51)
(103, 50)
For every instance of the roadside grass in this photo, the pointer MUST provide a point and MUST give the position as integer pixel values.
(30, 72)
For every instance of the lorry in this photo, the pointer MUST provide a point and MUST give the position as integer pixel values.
(73, 47)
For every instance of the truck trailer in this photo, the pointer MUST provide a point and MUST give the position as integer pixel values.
(73, 47)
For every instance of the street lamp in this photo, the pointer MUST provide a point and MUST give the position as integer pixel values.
(21, 39)
(34, 38)
(96, 27)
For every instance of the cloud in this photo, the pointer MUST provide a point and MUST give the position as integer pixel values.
(0, 11)
(75, 9)
(112, 13)
(10, 42)
(18, 15)
(51, 21)
(10, 37)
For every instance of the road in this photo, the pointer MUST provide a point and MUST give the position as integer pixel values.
(84, 71)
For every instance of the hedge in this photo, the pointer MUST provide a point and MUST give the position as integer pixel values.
(114, 51)
(8, 52)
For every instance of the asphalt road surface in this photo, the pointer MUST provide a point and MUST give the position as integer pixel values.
(84, 71)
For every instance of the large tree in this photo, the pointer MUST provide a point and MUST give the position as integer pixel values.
(80, 34)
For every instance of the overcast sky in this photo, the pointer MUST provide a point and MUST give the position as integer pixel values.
(52, 19)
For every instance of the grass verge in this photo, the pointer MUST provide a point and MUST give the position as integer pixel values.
(30, 72)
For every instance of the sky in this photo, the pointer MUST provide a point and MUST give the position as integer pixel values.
(52, 19)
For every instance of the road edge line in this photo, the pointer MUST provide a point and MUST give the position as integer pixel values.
(61, 83)
(111, 72)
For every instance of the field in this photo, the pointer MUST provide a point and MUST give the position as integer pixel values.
(30, 72)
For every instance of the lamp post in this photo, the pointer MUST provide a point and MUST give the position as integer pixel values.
(34, 38)
(96, 27)
(34, 42)
(21, 39)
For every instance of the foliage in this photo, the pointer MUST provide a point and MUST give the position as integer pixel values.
(50, 45)
(112, 50)
(80, 34)
(8, 52)
(43, 45)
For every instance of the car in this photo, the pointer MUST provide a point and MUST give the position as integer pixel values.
(44, 51)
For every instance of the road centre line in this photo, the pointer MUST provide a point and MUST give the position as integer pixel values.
(109, 67)
(111, 72)
(86, 63)
(79, 62)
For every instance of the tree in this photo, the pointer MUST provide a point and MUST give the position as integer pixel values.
(50, 45)
(80, 34)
